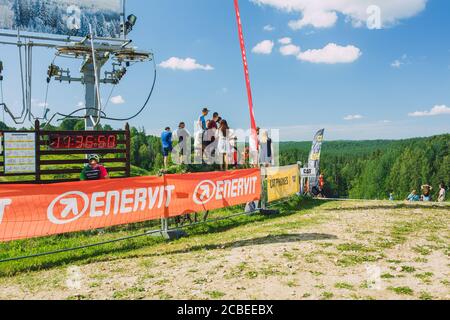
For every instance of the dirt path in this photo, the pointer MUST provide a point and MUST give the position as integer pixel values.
(339, 250)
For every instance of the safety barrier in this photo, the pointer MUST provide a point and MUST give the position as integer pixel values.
(29, 211)
(282, 182)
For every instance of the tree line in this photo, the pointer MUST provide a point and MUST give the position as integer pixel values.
(373, 169)
(352, 169)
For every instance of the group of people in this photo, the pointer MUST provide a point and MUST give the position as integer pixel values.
(426, 194)
(214, 141)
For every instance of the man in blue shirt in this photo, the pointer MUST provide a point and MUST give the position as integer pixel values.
(202, 119)
(166, 139)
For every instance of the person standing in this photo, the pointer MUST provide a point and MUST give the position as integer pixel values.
(442, 192)
(321, 186)
(212, 127)
(235, 152)
(265, 150)
(223, 145)
(183, 136)
(200, 134)
(254, 154)
(166, 139)
(202, 119)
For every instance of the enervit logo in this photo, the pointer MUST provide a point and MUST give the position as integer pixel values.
(66, 208)
(204, 192)
(224, 189)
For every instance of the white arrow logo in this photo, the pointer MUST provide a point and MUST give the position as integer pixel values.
(71, 207)
(204, 192)
(69, 201)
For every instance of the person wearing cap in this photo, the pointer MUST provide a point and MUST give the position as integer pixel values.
(94, 170)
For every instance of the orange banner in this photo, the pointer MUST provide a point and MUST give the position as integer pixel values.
(28, 211)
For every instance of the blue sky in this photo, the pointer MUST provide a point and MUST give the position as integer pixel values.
(395, 82)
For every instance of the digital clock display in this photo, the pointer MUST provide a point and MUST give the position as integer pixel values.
(101, 141)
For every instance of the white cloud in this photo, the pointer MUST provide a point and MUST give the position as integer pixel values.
(324, 13)
(264, 47)
(397, 64)
(285, 41)
(435, 111)
(269, 28)
(353, 117)
(117, 100)
(187, 64)
(290, 50)
(331, 54)
(400, 62)
(316, 19)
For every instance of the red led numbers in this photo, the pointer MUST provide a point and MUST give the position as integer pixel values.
(104, 141)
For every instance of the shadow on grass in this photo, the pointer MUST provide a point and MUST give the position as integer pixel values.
(119, 250)
(271, 239)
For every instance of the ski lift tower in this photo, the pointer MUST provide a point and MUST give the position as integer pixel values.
(82, 39)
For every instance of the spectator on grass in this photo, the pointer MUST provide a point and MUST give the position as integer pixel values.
(442, 192)
(391, 196)
(321, 186)
(94, 170)
(426, 193)
(166, 139)
(413, 197)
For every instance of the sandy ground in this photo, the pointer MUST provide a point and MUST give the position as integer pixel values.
(335, 251)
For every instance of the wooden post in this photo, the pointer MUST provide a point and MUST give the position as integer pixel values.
(128, 150)
(37, 127)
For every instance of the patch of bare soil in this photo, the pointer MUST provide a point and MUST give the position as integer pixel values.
(348, 251)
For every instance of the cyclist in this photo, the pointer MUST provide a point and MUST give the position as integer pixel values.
(94, 170)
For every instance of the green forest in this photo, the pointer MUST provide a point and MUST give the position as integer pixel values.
(352, 169)
(373, 169)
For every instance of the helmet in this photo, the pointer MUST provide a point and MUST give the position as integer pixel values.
(94, 157)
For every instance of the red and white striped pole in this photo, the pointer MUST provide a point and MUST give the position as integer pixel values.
(254, 136)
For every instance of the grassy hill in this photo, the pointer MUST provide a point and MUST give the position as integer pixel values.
(312, 250)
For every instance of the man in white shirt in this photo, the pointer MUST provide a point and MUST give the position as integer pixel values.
(183, 149)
